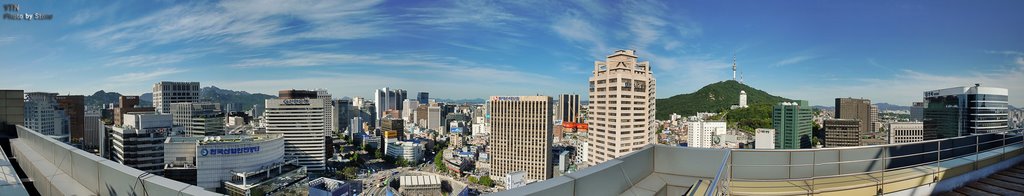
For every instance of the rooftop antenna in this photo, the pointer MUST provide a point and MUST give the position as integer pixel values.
(734, 66)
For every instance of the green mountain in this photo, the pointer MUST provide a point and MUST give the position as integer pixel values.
(225, 96)
(101, 97)
(715, 97)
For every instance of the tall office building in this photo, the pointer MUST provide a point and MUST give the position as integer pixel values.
(434, 119)
(965, 110)
(198, 118)
(139, 142)
(859, 109)
(792, 123)
(74, 107)
(302, 123)
(906, 132)
(342, 113)
(44, 115)
(701, 133)
(330, 125)
(569, 108)
(385, 99)
(165, 93)
(620, 113)
(423, 97)
(842, 132)
(93, 130)
(521, 136)
(917, 111)
(410, 106)
(400, 95)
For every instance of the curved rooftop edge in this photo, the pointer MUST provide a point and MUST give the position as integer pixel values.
(919, 168)
(57, 168)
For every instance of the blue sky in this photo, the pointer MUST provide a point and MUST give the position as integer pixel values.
(888, 51)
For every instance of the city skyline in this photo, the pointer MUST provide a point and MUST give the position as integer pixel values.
(465, 49)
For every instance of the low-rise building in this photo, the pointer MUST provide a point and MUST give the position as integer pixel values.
(764, 138)
(330, 187)
(208, 161)
(419, 185)
(408, 150)
(842, 132)
(139, 142)
(906, 132)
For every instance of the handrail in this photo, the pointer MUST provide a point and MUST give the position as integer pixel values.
(880, 145)
(718, 176)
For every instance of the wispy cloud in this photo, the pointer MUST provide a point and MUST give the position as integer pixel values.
(580, 31)
(7, 39)
(490, 14)
(251, 23)
(1020, 61)
(147, 60)
(1006, 52)
(144, 76)
(794, 60)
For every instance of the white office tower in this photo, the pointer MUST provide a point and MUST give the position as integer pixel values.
(702, 133)
(302, 123)
(620, 112)
(409, 107)
(93, 130)
(139, 142)
(764, 138)
(521, 136)
(165, 93)
(198, 118)
(434, 119)
(383, 100)
(44, 115)
(331, 123)
(743, 99)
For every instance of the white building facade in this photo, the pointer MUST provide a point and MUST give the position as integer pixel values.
(621, 110)
(213, 158)
(165, 93)
(702, 133)
(301, 121)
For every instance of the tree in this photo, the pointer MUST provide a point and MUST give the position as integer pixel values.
(401, 162)
(486, 181)
(472, 179)
(439, 162)
(379, 154)
(349, 172)
(354, 160)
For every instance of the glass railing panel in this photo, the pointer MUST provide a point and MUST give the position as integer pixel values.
(760, 165)
(861, 160)
(826, 162)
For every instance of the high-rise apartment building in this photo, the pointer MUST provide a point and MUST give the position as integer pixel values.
(139, 142)
(858, 109)
(302, 123)
(620, 113)
(792, 123)
(44, 114)
(198, 118)
(74, 107)
(165, 93)
(965, 110)
(906, 132)
(842, 132)
(569, 108)
(521, 136)
(702, 132)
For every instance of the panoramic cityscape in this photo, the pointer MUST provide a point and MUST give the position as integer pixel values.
(459, 97)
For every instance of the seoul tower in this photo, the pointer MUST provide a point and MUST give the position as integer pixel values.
(734, 67)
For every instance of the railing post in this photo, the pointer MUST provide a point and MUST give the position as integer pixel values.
(977, 148)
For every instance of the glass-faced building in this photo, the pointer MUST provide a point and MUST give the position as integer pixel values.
(792, 123)
(965, 110)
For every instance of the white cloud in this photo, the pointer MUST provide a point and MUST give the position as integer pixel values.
(1020, 61)
(794, 60)
(251, 23)
(135, 77)
(581, 31)
(7, 39)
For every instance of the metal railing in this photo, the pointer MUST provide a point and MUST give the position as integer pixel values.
(722, 188)
(880, 161)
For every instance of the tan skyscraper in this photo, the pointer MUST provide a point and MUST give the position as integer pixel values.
(520, 136)
(621, 110)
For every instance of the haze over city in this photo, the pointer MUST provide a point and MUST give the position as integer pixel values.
(887, 51)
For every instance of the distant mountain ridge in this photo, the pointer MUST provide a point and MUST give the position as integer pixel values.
(714, 97)
(223, 96)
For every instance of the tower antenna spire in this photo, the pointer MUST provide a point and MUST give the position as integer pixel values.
(734, 66)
